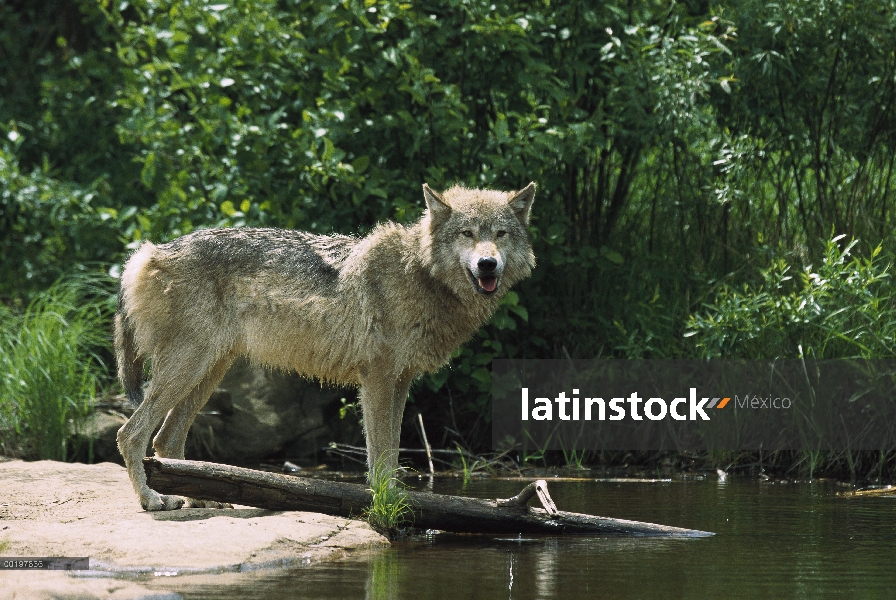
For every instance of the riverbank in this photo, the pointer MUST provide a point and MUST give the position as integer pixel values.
(51, 508)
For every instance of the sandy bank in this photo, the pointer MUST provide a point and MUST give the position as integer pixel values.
(59, 509)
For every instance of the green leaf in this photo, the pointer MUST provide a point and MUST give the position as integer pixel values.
(511, 298)
(521, 312)
(435, 381)
(482, 375)
(148, 172)
(360, 164)
(483, 358)
(502, 321)
(611, 255)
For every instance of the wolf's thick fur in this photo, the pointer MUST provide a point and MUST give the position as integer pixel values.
(373, 312)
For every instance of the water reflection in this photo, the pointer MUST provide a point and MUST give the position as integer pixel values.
(510, 568)
(774, 540)
(384, 581)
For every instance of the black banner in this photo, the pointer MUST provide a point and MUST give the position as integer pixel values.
(694, 405)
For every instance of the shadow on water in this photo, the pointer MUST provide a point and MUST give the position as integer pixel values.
(774, 540)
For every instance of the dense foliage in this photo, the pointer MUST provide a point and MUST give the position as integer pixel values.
(688, 154)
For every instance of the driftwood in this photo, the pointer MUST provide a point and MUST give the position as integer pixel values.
(881, 491)
(222, 483)
(360, 452)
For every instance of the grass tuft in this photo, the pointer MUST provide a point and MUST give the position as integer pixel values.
(390, 506)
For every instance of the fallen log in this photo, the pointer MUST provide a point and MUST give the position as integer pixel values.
(881, 491)
(273, 491)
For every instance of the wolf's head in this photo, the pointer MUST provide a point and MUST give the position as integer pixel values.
(477, 241)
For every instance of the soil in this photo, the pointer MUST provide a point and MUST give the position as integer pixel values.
(54, 509)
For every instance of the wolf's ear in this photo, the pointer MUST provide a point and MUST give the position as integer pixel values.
(521, 203)
(438, 208)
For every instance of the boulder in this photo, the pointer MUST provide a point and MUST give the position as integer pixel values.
(255, 413)
(258, 413)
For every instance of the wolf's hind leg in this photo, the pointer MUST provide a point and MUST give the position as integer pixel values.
(133, 438)
(173, 377)
(172, 437)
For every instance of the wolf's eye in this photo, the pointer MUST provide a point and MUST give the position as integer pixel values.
(501, 233)
(467, 233)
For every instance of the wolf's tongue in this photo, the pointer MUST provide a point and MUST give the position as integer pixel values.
(488, 283)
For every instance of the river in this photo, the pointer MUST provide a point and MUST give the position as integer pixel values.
(774, 539)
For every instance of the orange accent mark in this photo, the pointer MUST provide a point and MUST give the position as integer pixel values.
(723, 402)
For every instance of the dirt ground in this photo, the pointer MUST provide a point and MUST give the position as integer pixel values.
(75, 510)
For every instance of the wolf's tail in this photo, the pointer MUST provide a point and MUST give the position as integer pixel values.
(130, 362)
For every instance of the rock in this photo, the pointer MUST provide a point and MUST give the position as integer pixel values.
(63, 509)
(99, 429)
(255, 413)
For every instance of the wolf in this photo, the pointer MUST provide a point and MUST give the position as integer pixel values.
(372, 312)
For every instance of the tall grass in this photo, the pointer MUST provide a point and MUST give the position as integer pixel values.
(49, 367)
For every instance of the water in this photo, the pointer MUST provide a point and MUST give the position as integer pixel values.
(774, 540)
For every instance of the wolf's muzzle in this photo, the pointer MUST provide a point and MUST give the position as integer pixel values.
(487, 276)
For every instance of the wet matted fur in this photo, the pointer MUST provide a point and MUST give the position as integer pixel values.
(373, 312)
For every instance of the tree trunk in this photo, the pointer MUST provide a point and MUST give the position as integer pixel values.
(223, 483)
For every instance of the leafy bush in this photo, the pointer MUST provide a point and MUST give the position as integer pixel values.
(50, 227)
(844, 308)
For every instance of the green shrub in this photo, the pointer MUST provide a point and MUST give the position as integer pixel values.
(669, 143)
(844, 308)
(48, 227)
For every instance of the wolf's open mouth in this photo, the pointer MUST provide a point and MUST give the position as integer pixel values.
(486, 284)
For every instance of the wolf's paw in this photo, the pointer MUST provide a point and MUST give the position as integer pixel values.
(191, 503)
(157, 502)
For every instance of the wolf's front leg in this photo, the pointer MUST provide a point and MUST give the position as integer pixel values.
(382, 402)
